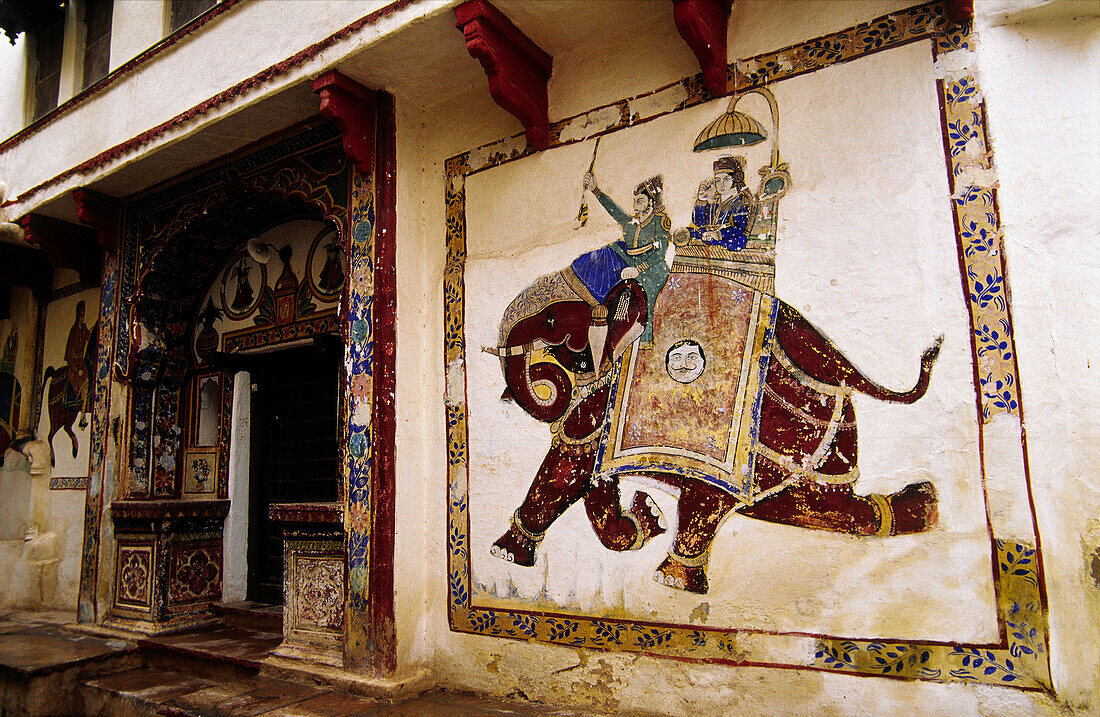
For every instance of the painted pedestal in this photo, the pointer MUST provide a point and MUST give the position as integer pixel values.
(168, 563)
(314, 581)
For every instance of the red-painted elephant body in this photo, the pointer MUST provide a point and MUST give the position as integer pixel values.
(806, 452)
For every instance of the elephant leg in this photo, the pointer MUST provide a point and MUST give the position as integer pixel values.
(701, 510)
(618, 529)
(559, 483)
(838, 508)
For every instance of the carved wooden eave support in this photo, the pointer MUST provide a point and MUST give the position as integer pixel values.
(517, 68)
(351, 107)
(69, 246)
(702, 24)
(960, 10)
(101, 212)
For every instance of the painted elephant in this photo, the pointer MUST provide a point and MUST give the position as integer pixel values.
(805, 450)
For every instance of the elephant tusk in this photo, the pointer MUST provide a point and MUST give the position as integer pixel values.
(506, 351)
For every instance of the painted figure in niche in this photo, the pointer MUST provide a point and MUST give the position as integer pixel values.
(68, 386)
(738, 405)
(724, 207)
(11, 394)
(290, 299)
(243, 295)
(331, 277)
(639, 257)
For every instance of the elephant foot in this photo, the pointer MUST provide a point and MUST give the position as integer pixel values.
(648, 517)
(675, 574)
(517, 545)
(914, 508)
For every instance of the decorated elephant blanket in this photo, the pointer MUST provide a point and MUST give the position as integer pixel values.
(689, 403)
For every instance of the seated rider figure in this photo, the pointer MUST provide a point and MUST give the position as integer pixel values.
(639, 255)
(723, 207)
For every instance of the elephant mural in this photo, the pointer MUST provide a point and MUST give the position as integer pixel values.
(795, 458)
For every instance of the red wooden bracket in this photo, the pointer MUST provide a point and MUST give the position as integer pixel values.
(69, 246)
(517, 68)
(960, 10)
(702, 24)
(101, 212)
(351, 107)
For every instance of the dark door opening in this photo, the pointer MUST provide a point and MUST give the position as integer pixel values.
(295, 454)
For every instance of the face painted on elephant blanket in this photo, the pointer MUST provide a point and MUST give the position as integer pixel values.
(685, 361)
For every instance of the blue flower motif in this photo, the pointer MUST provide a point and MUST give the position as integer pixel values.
(988, 290)
(962, 131)
(994, 340)
(999, 393)
(980, 238)
(962, 91)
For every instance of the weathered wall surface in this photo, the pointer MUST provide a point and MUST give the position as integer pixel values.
(864, 142)
(1039, 81)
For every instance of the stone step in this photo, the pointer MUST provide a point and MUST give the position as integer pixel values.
(148, 691)
(42, 664)
(219, 653)
(250, 615)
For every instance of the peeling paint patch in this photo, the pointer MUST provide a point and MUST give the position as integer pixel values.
(490, 153)
(456, 381)
(600, 693)
(590, 123)
(953, 64)
(700, 614)
(658, 102)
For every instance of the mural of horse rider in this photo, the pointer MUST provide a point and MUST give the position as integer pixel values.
(638, 256)
(68, 387)
(724, 207)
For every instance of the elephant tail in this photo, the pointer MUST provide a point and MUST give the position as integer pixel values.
(814, 359)
(927, 361)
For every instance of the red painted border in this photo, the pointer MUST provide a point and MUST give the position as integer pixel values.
(383, 480)
(214, 102)
(117, 74)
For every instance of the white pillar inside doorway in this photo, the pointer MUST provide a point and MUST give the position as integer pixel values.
(235, 545)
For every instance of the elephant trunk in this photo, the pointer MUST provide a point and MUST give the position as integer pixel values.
(541, 389)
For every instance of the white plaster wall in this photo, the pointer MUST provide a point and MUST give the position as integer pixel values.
(136, 25)
(13, 81)
(1040, 84)
(608, 682)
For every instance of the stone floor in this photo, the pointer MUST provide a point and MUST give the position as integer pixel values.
(47, 667)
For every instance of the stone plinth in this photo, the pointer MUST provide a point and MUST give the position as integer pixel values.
(314, 581)
(168, 563)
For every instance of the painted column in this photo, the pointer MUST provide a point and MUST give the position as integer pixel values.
(366, 119)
